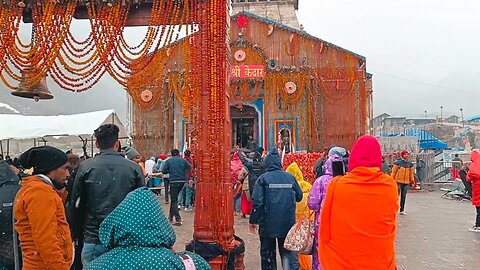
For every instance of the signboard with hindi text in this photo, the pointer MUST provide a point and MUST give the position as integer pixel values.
(247, 72)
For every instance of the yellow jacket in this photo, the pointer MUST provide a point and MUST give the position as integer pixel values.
(302, 208)
(403, 172)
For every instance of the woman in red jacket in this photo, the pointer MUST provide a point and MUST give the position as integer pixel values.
(474, 177)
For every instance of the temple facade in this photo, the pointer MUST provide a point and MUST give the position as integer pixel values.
(287, 88)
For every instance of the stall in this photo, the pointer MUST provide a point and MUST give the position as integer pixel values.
(20, 132)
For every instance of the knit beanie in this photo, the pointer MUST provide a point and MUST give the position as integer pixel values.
(43, 159)
(131, 152)
(403, 153)
(162, 156)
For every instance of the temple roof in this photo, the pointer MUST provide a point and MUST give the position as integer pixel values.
(291, 29)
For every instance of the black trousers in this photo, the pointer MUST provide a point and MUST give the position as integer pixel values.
(402, 192)
(268, 253)
(166, 182)
(175, 189)
(477, 223)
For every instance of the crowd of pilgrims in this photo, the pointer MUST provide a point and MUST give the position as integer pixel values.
(63, 211)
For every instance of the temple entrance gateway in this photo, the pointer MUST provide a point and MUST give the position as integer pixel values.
(244, 126)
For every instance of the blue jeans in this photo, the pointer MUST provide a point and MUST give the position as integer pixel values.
(268, 254)
(236, 202)
(186, 195)
(92, 251)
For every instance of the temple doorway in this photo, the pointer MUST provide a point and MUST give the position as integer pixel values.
(244, 126)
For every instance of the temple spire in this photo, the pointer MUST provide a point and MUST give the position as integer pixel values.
(279, 10)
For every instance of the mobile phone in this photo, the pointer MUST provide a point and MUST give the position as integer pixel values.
(338, 168)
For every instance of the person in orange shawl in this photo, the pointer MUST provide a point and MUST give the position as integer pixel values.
(302, 210)
(39, 213)
(358, 219)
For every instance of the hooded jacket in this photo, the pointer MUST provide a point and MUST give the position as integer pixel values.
(403, 172)
(358, 218)
(8, 189)
(42, 227)
(138, 236)
(274, 198)
(474, 177)
(316, 199)
(302, 209)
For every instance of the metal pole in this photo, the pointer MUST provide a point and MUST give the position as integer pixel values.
(463, 121)
(441, 115)
(1, 147)
(8, 147)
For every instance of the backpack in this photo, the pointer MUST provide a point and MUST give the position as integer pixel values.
(8, 191)
(257, 169)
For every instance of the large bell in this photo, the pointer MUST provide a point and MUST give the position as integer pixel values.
(37, 91)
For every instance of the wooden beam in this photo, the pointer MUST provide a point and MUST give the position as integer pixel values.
(139, 14)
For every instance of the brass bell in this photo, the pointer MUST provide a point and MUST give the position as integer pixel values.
(37, 91)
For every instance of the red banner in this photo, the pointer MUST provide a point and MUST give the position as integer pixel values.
(247, 72)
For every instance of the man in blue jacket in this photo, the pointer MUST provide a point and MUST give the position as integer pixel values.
(177, 168)
(274, 200)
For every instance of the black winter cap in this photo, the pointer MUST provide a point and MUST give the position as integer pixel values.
(43, 159)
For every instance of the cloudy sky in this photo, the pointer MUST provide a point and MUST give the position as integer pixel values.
(424, 54)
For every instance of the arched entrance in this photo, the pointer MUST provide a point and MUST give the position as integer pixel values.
(245, 131)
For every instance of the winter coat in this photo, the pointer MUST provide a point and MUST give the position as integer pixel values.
(474, 177)
(236, 166)
(189, 173)
(176, 167)
(421, 170)
(242, 176)
(101, 184)
(9, 188)
(318, 166)
(255, 167)
(403, 172)
(138, 236)
(274, 198)
(385, 168)
(358, 218)
(42, 227)
(316, 199)
(302, 209)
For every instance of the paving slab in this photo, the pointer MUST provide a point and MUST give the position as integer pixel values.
(433, 235)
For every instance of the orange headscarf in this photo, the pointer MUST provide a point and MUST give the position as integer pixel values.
(358, 219)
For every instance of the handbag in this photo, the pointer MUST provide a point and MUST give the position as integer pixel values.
(300, 236)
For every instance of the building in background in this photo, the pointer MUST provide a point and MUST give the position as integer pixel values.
(287, 88)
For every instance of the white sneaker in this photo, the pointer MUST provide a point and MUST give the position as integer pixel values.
(403, 213)
(475, 229)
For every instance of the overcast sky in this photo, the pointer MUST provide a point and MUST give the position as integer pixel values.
(409, 45)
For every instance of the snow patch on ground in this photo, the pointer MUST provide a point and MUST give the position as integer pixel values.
(8, 107)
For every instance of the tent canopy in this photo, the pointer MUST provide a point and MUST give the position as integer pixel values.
(426, 139)
(20, 127)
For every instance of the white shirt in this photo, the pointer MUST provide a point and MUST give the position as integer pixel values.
(149, 164)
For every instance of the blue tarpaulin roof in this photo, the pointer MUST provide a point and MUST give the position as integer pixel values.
(426, 140)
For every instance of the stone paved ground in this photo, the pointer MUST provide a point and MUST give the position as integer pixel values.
(434, 235)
